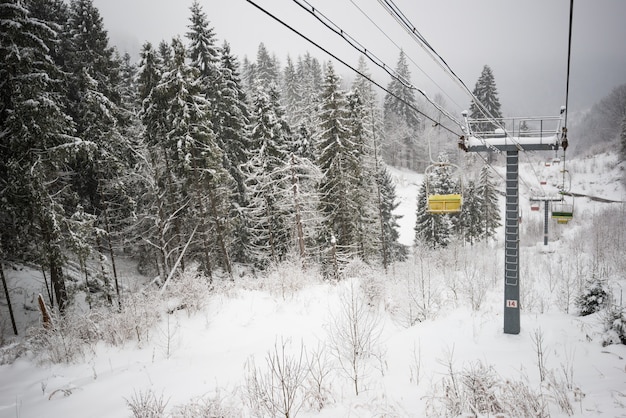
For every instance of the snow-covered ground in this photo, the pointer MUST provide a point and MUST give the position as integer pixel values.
(210, 354)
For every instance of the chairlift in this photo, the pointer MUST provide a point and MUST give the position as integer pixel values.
(563, 211)
(548, 164)
(443, 203)
(543, 182)
(534, 207)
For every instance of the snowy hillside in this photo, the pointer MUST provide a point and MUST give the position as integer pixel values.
(428, 341)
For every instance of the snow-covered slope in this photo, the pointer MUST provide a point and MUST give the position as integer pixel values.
(208, 355)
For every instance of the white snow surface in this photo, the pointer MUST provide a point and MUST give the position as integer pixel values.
(206, 354)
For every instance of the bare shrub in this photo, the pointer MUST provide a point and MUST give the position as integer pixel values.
(354, 336)
(278, 390)
(480, 383)
(520, 401)
(479, 391)
(559, 393)
(282, 279)
(214, 406)
(319, 393)
(146, 404)
(140, 312)
(189, 291)
(414, 295)
(372, 281)
(11, 352)
(68, 341)
(540, 350)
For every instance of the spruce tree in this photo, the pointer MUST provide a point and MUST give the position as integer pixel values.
(308, 73)
(339, 162)
(402, 122)
(233, 138)
(267, 182)
(367, 239)
(290, 94)
(489, 207)
(391, 249)
(38, 146)
(197, 158)
(471, 222)
(267, 70)
(486, 92)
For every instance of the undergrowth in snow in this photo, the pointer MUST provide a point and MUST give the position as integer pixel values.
(421, 339)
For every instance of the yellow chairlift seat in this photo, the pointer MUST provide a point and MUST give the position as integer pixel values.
(563, 212)
(445, 203)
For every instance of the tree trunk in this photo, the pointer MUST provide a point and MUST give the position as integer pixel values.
(57, 280)
(8, 298)
(220, 232)
(299, 228)
(112, 255)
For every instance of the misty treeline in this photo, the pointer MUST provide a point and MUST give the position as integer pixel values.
(189, 155)
(603, 127)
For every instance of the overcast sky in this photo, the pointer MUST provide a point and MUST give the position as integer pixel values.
(524, 42)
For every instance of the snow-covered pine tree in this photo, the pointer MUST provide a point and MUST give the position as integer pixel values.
(197, 159)
(165, 54)
(290, 94)
(248, 75)
(39, 145)
(267, 70)
(471, 222)
(391, 249)
(308, 73)
(486, 92)
(233, 137)
(593, 296)
(339, 162)
(402, 122)
(368, 227)
(384, 187)
(102, 102)
(489, 207)
(158, 197)
(202, 49)
(267, 181)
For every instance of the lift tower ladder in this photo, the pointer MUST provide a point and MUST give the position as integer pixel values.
(512, 135)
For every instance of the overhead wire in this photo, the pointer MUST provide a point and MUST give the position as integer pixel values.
(400, 49)
(569, 58)
(291, 28)
(401, 18)
(373, 58)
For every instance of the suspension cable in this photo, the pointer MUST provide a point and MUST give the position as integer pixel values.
(373, 58)
(277, 19)
(400, 49)
(564, 141)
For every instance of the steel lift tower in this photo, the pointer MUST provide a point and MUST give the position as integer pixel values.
(512, 136)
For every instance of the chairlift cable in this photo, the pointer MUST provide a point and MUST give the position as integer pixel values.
(401, 49)
(373, 58)
(312, 42)
(569, 59)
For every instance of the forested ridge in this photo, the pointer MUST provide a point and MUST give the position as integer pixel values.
(189, 156)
